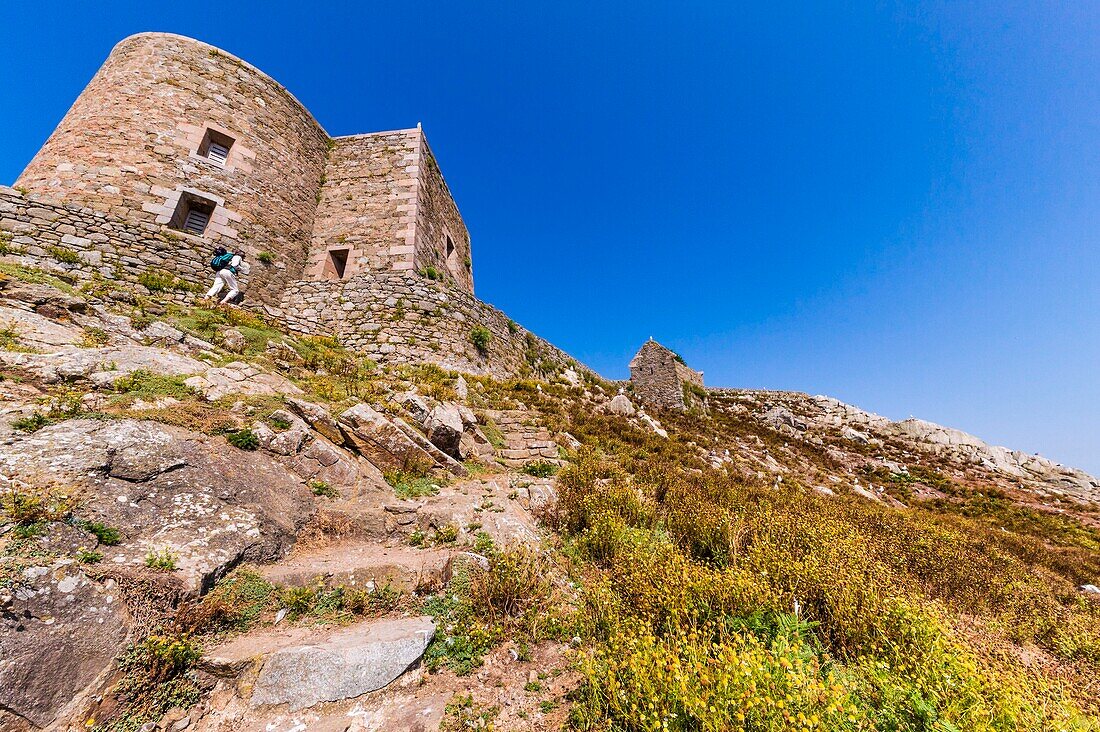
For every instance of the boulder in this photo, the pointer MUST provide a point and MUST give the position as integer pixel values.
(441, 458)
(233, 340)
(475, 443)
(778, 417)
(37, 332)
(161, 334)
(59, 632)
(102, 365)
(461, 388)
(318, 418)
(321, 460)
(346, 664)
(621, 405)
(444, 425)
(166, 488)
(653, 425)
(379, 440)
(415, 405)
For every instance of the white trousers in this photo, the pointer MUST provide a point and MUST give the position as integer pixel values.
(221, 279)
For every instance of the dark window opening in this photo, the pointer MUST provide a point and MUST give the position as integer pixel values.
(192, 214)
(450, 246)
(336, 264)
(215, 147)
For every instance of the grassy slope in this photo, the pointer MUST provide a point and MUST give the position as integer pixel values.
(710, 600)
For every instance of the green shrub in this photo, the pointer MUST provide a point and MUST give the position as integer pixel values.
(162, 282)
(105, 534)
(30, 507)
(431, 273)
(84, 556)
(415, 481)
(480, 337)
(32, 423)
(142, 383)
(278, 423)
(9, 338)
(163, 560)
(63, 255)
(321, 488)
(235, 603)
(266, 257)
(92, 337)
(540, 469)
(447, 534)
(243, 439)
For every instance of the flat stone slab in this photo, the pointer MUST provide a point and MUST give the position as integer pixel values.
(302, 671)
(363, 566)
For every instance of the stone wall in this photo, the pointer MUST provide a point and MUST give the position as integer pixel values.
(368, 204)
(658, 376)
(441, 236)
(45, 234)
(401, 318)
(130, 146)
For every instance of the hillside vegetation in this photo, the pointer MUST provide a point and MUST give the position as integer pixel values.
(736, 574)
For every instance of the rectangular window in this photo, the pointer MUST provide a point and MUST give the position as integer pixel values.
(215, 147)
(196, 221)
(336, 264)
(192, 214)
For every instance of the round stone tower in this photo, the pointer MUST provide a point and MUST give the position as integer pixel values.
(174, 133)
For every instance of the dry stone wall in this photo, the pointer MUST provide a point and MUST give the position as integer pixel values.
(401, 318)
(83, 243)
(130, 144)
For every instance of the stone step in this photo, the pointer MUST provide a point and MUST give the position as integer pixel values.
(302, 667)
(363, 566)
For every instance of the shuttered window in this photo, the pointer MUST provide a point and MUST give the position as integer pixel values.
(215, 147)
(193, 213)
(218, 153)
(196, 221)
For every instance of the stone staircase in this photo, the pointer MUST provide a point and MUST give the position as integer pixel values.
(525, 441)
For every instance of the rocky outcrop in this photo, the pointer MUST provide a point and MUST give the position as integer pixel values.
(59, 631)
(165, 489)
(380, 441)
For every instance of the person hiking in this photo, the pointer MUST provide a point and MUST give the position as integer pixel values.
(225, 264)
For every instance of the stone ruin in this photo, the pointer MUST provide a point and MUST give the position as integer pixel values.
(660, 378)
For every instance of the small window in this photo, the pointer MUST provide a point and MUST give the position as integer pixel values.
(215, 147)
(192, 214)
(336, 264)
(450, 246)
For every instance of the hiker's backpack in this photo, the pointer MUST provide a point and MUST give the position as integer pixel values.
(221, 261)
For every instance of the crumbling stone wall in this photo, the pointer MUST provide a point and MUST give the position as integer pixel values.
(398, 317)
(658, 376)
(129, 145)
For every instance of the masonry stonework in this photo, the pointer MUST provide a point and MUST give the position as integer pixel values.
(367, 241)
(658, 376)
(398, 317)
(129, 146)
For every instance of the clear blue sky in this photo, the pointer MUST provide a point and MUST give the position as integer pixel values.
(897, 206)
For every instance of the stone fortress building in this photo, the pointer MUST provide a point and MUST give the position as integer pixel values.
(175, 147)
